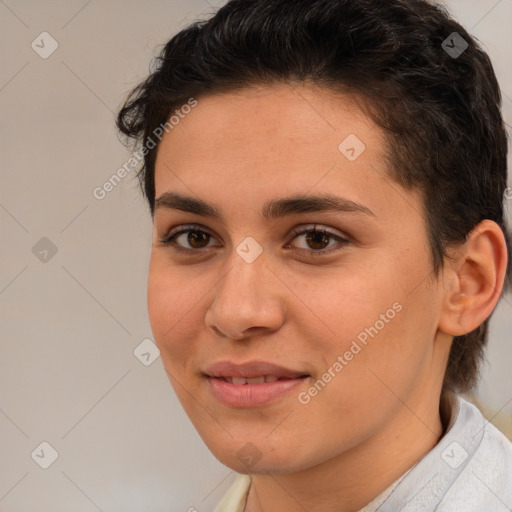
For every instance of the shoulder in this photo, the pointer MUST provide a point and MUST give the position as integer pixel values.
(485, 483)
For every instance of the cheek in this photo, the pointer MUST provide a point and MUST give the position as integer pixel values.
(173, 315)
(376, 322)
(172, 310)
(351, 304)
(162, 299)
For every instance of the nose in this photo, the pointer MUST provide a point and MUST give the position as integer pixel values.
(248, 301)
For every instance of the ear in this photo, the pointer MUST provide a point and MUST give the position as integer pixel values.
(474, 277)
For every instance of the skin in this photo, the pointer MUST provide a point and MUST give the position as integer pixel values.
(380, 414)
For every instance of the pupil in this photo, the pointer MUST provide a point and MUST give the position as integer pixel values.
(195, 237)
(316, 237)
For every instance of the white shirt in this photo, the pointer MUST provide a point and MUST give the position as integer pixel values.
(469, 470)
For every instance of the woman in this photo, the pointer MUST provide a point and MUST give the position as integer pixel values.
(326, 181)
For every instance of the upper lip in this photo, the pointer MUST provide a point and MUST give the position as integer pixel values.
(251, 369)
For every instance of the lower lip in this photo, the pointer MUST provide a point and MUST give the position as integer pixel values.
(251, 395)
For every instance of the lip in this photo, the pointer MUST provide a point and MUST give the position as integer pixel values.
(251, 369)
(241, 396)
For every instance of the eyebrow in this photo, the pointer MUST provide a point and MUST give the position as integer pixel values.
(273, 209)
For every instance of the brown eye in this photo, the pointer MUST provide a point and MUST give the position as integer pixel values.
(188, 239)
(198, 239)
(318, 242)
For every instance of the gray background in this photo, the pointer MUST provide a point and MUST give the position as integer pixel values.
(70, 323)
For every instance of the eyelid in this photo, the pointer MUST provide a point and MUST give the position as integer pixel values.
(306, 228)
(177, 231)
(300, 230)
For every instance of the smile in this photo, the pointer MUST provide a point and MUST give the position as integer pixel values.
(254, 380)
(251, 384)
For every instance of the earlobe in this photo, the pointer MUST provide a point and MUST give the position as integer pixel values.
(474, 279)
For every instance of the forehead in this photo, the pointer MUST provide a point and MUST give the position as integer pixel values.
(269, 127)
(250, 146)
(284, 113)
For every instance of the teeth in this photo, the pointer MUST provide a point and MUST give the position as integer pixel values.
(238, 381)
(255, 380)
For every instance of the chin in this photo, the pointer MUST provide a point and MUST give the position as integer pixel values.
(258, 456)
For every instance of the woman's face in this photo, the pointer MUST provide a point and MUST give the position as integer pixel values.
(338, 329)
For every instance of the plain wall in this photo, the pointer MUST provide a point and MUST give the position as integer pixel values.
(69, 325)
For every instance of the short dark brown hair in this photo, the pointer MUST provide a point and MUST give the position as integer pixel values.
(405, 61)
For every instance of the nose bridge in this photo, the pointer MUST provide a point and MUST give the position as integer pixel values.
(247, 263)
(246, 297)
(244, 281)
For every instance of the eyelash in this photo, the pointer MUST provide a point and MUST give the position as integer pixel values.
(169, 239)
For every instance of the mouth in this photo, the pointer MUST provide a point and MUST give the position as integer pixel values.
(252, 384)
(241, 381)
